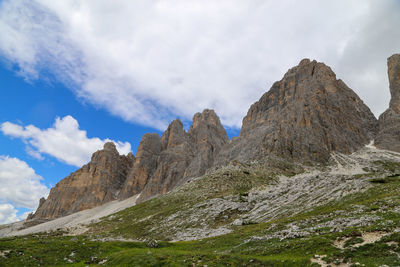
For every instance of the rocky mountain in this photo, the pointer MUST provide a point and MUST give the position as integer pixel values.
(302, 119)
(160, 164)
(163, 162)
(389, 122)
(96, 183)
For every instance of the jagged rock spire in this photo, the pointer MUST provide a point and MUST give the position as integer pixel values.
(389, 122)
(394, 82)
(181, 155)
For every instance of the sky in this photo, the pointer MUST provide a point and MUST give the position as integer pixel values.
(76, 74)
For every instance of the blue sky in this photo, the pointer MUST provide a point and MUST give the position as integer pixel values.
(75, 74)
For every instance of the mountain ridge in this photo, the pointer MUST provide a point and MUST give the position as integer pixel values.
(304, 118)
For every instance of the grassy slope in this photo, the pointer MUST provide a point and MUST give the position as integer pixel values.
(143, 221)
(255, 244)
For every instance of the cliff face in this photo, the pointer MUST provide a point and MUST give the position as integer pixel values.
(394, 82)
(164, 162)
(96, 183)
(389, 122)
(304, 117)
(161, 163)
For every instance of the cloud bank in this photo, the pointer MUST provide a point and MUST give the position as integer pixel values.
(64, 141)
(8, 214)
(151, 61)
(20, 187)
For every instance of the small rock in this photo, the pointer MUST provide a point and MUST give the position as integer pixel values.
(237, 222)
(151, 243)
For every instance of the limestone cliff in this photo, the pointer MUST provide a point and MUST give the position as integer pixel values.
(94, 184)
(389, 122)
(164, 162)
(304, 117)
(161, 163)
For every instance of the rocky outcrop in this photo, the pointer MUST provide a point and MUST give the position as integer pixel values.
(394, 82)
(388, 136)
(160, 164)
(96, 183)
(304, 117)
(144, 166)
(164, 162)
(177, 151)
(209, 136)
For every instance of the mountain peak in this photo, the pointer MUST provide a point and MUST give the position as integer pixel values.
(208, 116)
(305, 116)
(110, 146)
(206, 123)
(174, 135)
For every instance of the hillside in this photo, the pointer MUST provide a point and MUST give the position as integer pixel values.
(346, 211)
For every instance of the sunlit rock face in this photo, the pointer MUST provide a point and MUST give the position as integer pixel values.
(96, 183)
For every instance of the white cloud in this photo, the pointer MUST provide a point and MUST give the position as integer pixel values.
(64, 141)
(8, 214)
(20, 185)
(150, 61)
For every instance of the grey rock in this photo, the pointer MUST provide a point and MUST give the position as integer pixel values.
(176, 154)
(94, 184)
(209, 136)
(394, 81)
(237, 222)
(163, 163)
(303, 117)
(388, 136)
(151, 243)
(145, 165)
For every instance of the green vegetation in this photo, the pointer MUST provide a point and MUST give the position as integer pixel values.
(332, 233)
(143, 221)
(390, 166)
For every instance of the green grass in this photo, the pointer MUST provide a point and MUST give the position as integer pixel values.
(142, 221)
(251, 244)
(234, 249)
(388, 179)
(390, 166)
